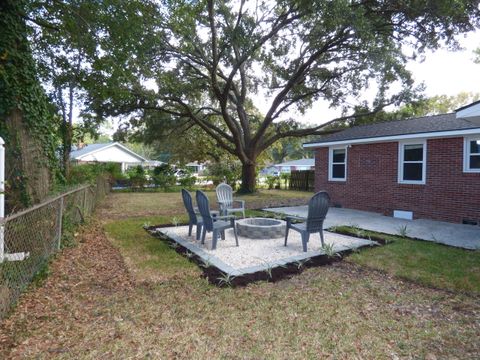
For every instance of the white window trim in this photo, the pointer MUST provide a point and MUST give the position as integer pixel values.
(330, 163)
(466, 154)
(401, 146)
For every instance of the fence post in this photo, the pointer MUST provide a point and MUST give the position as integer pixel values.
(60, 223)
(85, 202)
(2, 200)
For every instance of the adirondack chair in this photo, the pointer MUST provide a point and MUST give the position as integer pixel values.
(215, 227)
(226, 201)
(193, 219)
(317, 210)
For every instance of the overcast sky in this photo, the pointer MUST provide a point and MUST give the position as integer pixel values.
(443, 73)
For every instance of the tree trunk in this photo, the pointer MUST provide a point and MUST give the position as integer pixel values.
(66, 148)
(249, 178)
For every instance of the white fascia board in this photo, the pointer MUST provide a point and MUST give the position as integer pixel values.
(470, 111)
(94, 151)
(428, 135)
(2, 142)
(142, 159)
(131, 152)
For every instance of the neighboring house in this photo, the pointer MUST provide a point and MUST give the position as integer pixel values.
(151, 164)
(196, 168)
(108, 153)
(301, 164)
(269, 171)
(426, 167)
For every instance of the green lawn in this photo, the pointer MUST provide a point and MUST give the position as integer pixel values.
(146, 256)
(425, 263)
(421, 261)
(335, 311)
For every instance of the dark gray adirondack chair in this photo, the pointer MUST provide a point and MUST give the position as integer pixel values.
(317, 210)
(226, 201)
(219, 226)
(193, 219)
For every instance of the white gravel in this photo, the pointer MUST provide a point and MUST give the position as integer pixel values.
(253, 252)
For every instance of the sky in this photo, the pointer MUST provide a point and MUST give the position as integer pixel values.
(450, 73)
(443, 72)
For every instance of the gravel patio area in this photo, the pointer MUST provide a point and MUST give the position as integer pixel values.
(261, 252)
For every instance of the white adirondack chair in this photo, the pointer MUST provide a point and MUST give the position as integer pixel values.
(226, 201)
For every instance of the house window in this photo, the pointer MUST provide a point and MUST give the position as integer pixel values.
(337, 169)
(411, 169)
(472, 154)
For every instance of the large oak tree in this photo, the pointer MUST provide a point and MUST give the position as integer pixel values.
(216, 57)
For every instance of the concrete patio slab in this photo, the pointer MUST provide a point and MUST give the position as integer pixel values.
(255, 255)
(457, 235)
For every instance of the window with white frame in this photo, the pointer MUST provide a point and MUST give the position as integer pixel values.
(472, 154)
(412, 164)
(337, 169)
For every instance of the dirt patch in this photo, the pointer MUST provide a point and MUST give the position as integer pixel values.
(81, 283)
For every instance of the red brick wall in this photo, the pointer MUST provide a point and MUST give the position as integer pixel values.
(372, 182)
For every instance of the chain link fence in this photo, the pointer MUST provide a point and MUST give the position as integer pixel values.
(32, 236)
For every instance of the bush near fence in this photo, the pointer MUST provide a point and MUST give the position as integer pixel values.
(40, 232)
(303, 180)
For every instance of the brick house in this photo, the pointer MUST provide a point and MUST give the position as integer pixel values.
(426, 167)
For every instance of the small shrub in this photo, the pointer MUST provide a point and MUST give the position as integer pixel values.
(137, 177)
(286, 179)
(187, 180)
(403, 231)
(164, 177)
(205, 263)
(229, 171)
(271, 180)
(225, 280)
(329, 250)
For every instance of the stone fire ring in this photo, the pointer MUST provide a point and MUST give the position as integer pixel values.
(261, 228)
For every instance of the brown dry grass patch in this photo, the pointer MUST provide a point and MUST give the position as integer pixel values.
(128, 205)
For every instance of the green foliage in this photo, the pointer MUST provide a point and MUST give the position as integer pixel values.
(164, 177)
(206, 60)
(273, 181)
(88, 173)
(230, 172)
(137, 177)
(285, 177)
(21, 91)
(68, 232)
(289, 149)
(329, 250)
(187, 179)
(225, 280)
(403, 231)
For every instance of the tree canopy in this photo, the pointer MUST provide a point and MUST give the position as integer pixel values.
(212, 59)
(69, 41)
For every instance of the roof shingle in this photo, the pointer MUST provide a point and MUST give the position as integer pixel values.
(426, 124)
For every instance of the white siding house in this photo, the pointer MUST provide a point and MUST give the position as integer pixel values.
(108, 153)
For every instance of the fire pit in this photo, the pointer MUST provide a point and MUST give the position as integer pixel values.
(261, 228)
